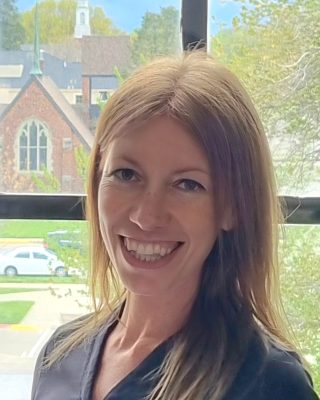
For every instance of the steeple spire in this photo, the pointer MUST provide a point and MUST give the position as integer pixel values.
(82, 27)
(36, 70)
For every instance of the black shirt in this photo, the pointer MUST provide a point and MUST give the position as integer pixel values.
(275, 375)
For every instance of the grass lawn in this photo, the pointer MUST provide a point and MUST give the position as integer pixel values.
(35, 228)
(18, 290)
(12, 312)
(41, 279)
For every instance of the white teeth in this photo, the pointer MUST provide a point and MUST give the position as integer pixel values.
(148, 251)
(133, 244)
(144, 257)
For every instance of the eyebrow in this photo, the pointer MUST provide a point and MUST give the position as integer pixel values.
(177, 172)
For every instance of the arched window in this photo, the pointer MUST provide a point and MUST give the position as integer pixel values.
(82, 18)
(33, 147)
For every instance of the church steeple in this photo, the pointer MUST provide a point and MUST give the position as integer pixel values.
(36, 70)
(82, 27)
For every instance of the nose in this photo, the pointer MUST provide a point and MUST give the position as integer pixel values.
(150, 211)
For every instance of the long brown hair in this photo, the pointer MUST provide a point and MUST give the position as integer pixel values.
(239, 292)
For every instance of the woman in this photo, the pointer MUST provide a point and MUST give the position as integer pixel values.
(183, 212)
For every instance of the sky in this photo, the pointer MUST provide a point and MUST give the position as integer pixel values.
(127, 14)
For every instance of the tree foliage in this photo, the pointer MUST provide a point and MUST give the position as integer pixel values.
(11, 30)
(158, 35)
(300, 279)
(46, 182)
(102, 25)
(274, 47)
(57, 21)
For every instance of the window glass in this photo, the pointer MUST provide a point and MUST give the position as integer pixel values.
(272, 45)
(51, 96)
(22, 255)
(39, 256)
(300, 283)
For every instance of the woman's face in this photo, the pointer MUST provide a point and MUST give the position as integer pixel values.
(156, 208)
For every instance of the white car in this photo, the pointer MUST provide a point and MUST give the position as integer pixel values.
(30, 260)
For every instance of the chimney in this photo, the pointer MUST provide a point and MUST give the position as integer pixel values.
(86, 96)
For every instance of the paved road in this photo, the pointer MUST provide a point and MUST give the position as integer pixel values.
(20, 344)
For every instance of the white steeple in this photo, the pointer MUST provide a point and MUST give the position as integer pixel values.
(82, 27)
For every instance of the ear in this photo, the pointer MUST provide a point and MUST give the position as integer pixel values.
(227, 222)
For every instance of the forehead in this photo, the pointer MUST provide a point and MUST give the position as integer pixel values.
(162, 137)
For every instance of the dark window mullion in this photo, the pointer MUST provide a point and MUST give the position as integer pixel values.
(194, 24)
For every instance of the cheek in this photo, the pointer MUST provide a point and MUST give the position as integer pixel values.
(108, 200)
(107, 208)
(200, 217)
(202, 226)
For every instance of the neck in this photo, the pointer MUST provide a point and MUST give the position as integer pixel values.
(154, 319)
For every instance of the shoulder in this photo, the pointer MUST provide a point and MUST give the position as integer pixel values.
(55, 362)
(63, 332)
(270, 372)
(284, 377)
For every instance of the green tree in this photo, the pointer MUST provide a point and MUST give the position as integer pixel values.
(57, 21)
(12, 33)
(158, 35)
(274, 47)
(102, 25)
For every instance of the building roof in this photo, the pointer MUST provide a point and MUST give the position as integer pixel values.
(61, 104)
(104, 82)
(70, 115)
(69, 51)
(95, 56)
(15, 58)
(65, 75)
(101, 54)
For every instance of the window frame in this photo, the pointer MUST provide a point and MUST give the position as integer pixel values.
(25, 128)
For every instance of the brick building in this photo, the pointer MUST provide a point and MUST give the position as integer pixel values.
(39, 130)
(45, 117)
(49, 105)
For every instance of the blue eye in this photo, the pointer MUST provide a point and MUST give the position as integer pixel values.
(190, 185)
(125, 174)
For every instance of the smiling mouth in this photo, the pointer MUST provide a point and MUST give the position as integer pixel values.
(149, 252)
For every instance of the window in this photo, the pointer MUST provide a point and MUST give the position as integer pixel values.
(39, 256)
(82, 18)
(23, 255)
(33, 147)
(104, 95)
(78, 98)
(267, 42)
(67, 144)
